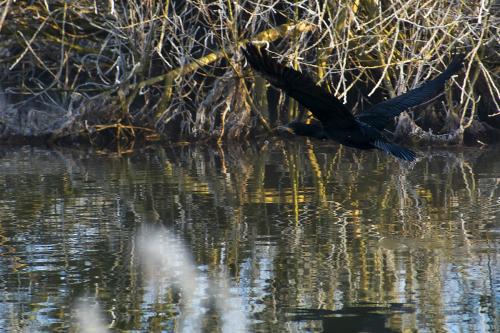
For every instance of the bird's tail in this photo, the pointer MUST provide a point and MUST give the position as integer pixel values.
(398, 151)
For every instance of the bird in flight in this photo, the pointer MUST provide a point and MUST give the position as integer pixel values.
(334, 120)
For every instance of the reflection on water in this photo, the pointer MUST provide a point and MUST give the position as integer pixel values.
(297, 236)
(363, 318)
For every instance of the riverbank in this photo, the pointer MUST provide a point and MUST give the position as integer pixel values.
(99, 71)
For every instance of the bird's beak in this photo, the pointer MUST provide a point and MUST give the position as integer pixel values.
(284, 130)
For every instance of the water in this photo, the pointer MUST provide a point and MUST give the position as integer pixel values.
(284, 237)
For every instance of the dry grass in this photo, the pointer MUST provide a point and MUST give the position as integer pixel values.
(174, 67)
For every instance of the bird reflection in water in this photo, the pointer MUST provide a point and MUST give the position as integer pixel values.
(364, 318)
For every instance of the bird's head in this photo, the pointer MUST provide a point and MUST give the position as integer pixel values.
(313, 129)
(285, 130)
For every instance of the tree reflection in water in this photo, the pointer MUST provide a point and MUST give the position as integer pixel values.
(295, 225)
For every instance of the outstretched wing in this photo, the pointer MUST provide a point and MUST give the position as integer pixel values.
(379, 115)
(323, 105)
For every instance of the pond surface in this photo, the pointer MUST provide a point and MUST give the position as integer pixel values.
(285, 237)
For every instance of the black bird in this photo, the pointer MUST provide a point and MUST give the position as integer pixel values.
(335, 121)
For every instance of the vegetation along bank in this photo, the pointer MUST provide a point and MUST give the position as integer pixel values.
(117, 71)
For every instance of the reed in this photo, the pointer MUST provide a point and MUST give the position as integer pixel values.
(128, 69)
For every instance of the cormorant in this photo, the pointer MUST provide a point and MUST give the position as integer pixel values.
(335, 121)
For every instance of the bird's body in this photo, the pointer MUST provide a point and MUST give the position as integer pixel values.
(334, 120)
